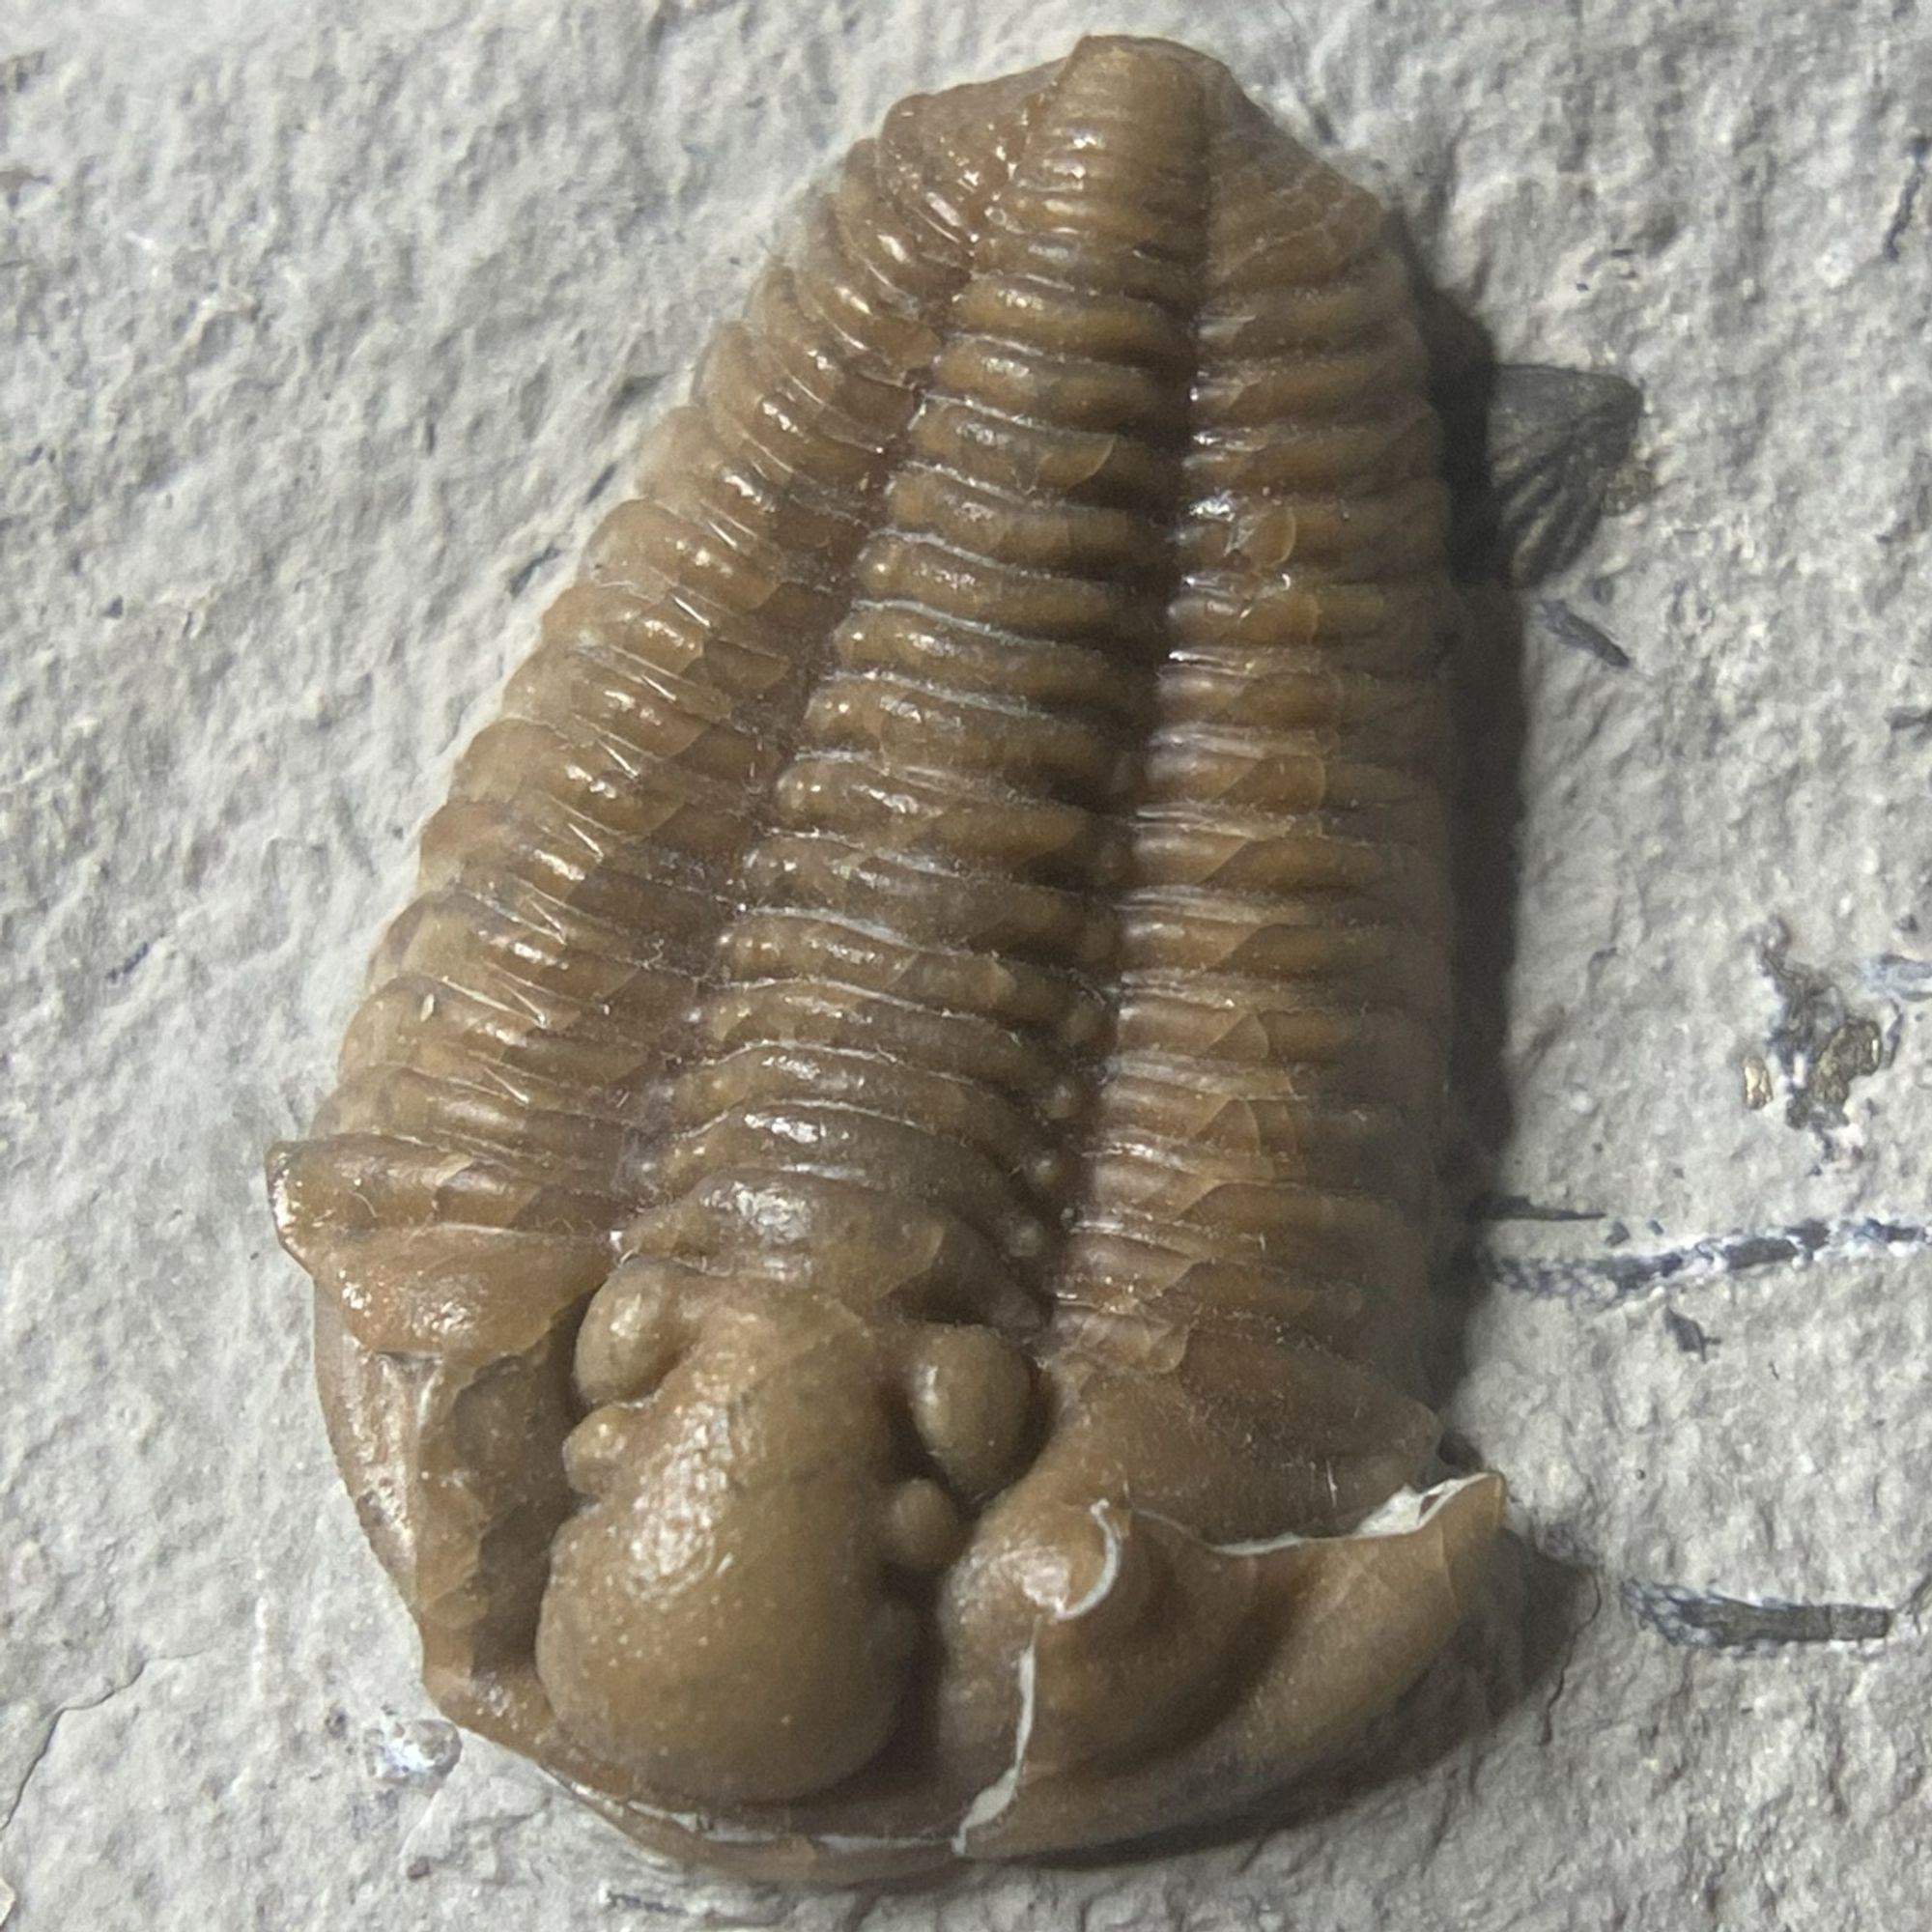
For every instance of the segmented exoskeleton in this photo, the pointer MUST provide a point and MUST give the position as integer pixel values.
(911, 1085)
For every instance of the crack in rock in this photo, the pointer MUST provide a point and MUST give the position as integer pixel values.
(1599, 1283)
(53, 1724)
(1748, 1626)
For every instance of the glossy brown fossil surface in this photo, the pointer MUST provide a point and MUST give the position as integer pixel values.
(871, 1237)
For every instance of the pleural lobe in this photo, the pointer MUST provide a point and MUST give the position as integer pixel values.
(871, 1237)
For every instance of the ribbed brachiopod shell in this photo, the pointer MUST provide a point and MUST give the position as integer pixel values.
(871, 1235)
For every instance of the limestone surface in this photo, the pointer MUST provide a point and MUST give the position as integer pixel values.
(332, 333)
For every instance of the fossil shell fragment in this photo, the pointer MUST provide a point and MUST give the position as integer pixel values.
(871, 1235)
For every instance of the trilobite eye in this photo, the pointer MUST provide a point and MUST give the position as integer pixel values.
(873, 1230)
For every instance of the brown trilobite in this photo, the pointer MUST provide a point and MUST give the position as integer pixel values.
(870, 1241)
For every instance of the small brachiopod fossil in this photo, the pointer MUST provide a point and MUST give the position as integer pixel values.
(869, 1243)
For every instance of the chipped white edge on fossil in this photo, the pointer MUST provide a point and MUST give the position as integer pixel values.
(1405, 1512)
(996, 1799)
(1102, 1513)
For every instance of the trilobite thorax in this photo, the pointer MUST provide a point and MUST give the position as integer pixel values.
(889, 1167)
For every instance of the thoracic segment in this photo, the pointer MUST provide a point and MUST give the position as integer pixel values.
(1266, 1113)
(573, 886)
(962, 888)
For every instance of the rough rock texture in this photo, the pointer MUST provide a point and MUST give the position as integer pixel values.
(330, 335)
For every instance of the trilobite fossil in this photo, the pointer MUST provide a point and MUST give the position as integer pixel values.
(871, 1241)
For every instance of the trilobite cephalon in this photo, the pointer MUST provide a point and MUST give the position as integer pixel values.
(871, 1237)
